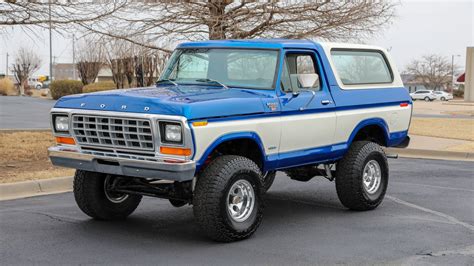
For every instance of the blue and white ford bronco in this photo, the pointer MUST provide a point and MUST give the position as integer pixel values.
(224, 117)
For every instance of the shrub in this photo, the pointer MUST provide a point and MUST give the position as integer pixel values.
(7, 87)
(99, 86)
(458, 93)
(60, 88)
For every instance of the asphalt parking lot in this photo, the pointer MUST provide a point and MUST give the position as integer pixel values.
(24, 112)
(426, 218)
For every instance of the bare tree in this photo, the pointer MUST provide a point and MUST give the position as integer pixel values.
(198, 20)
(43, 12)
(117, 54)
(91, 60)
(26, 63)
(148, 65)
(433, 71)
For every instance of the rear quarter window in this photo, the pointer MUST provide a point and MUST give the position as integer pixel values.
(357, 67)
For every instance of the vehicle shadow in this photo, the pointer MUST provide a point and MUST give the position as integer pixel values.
(162, 223)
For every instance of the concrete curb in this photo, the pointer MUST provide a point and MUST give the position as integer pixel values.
(25, 189)
(431, 154)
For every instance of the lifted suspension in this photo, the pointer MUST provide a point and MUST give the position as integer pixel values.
(178, 191)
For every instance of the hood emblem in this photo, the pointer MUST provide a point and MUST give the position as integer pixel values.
(102, 106)
(146, 109)
(83, 104)
(124, 107)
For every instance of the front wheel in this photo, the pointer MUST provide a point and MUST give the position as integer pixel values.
(95, 197)
(443, 99)
(427, 99)
(227, 200)
(362, 176)
(268, 180)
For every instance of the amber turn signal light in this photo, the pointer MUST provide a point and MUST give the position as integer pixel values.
(175, 151)
(65, 140)
(200, 123)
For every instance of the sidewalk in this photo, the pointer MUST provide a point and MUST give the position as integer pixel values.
(440, 144)
(436, 148)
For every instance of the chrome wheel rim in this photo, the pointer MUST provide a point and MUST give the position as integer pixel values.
(240, 200)
(110, 195)
(371, 177)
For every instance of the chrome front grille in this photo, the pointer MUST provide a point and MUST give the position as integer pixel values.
(113, 132)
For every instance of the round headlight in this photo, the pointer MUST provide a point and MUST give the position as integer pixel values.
(173, 133)
(61, 123)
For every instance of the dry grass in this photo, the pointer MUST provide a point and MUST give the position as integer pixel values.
(443, 128)
(7, 88)
(23, 156)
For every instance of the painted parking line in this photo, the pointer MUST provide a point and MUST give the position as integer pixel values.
(437, 213)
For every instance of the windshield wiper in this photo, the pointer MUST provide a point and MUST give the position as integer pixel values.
(212, 80)
(167, 80)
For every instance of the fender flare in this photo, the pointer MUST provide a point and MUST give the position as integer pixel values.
(231, 136)
(371, 122)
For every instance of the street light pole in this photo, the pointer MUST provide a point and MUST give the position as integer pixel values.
(50, 45)
(73, 57)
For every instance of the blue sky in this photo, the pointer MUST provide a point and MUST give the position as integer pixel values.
(421, 27)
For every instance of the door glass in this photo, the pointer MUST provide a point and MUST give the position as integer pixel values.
(302, 72)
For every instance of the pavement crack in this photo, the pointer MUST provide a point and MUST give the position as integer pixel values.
(437, 213)
(53, 217)
(414, 260)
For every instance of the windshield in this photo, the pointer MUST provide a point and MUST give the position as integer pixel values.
(223, 67)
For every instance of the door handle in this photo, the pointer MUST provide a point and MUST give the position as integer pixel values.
(325, 102)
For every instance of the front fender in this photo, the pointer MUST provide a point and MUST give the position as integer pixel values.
(228, 137)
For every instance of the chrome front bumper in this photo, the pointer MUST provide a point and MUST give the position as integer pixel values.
(65, 157)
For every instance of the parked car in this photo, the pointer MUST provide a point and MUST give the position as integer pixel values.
(426, 95)
(443, 96)
(46, 84)
(35, 83)
(224, 117)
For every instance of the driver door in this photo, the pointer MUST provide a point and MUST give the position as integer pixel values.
(308, 116)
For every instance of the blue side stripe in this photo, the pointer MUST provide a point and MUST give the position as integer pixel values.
(298, 112)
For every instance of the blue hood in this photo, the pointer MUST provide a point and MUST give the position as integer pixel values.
(190, 101)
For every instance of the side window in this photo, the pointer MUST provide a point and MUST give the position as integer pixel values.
(361, 67)
(300, 71)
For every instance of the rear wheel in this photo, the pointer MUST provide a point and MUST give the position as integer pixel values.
(227, 199)
(443, 99)
(95, 197)
(362, 176)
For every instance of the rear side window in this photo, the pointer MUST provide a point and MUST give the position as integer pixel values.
(356, 67)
